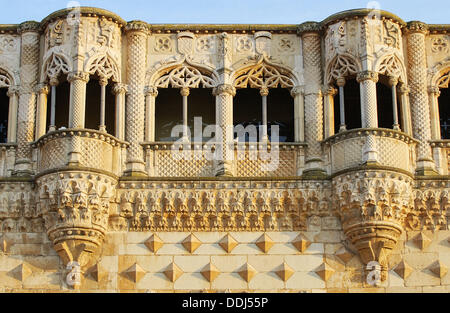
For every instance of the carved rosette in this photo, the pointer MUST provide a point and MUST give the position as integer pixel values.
(373, 207)
(75, 208)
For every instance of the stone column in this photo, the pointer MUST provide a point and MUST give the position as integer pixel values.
(150, 96)
(41, 114)
(13, 94)
(341, 84)
(103, 83)
(185, 92)
(405, 109)
(299, 113)
(368, 84)
(265, 135)
(120, 91)
(329, 93)
(393, 81)
(78, 81)
(312, 57)
(417, 66)
(224, 120)
(29, 70)
(434, 94)
(137, 34)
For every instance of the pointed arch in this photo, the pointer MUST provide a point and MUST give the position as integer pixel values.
(6, 80)
(341, 66)
(441, 77)
(104, 66)
(391, 65)
(263, 74)
(55, 65)
(185, 76)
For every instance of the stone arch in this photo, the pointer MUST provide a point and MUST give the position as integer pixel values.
(6, 78)
(104, 66)
(391, 65)
(441, 77)
(264, 74)
(341, 66)
(55, 64)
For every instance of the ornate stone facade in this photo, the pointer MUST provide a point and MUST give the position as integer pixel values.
(95, 210)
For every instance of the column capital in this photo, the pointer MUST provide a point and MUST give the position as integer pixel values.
(151, 91)
(13, 91)
(83, 76)
(103, 81)
(297, 91)
(434, 90)
(393, 81)
(137, 26)
(54, 81)
(30, 26)
(329, 91)
(224, 88)
(417, 27)
(185, 92)
(367, 75)
(42, 89)
(264, 92)
(120, 89)
(310, 28)
(404, 90)
(340, 82)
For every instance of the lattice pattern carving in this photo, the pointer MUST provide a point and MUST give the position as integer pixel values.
(167, 166)
(185, 77)
(262, 76)
(248, 165)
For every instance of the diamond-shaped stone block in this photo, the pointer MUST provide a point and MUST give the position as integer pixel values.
(191, 243)
(247, 272)
(344, 254)
(285, 272)
(21, 272)
(325, 271)
(264, 243)
(403, 269)
(228, 243)
(173, 272)
(301, 243)
(422, 241)
(135, 273)
(97, 273)
(439, 269)
(154, 243)
(210, 272)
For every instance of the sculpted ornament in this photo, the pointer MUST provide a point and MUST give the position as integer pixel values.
(262, 76)
(439, 45)
(163, 44)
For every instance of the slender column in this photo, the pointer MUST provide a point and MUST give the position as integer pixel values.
(393, 82)
(41, 114)
(224, 120)
(264, 94)
(368, 84)
(137, 35)
(120, 91)
(417, 66)
(185, 92)
(103, 83)
(405, 109)
(434, 94)
(299, 113)
(150, 96)
(313, 97)
(29, 65)
(329, 93)
(343, 124)
(78, 81)
(13, 93)
(53, 84)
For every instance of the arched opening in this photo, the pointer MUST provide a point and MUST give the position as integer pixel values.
(4, 111)
(384, 103)
(247, 112)
(202, 104)
(93, 106)
(280, 112)
(168, 113)
(62, 104)
(352, 104)
(444, 112)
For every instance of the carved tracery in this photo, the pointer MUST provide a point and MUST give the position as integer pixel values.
(342, 66)
(185, 77)
(5, 81)
(56, 65)
(444, 79)
(391, 66)
(262, 76)
(104, 67)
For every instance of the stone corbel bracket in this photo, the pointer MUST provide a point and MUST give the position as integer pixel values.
(373, 206)
(75, 207)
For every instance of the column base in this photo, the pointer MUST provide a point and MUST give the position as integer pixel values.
(135, 169)
(426, 167)
(23, 168)
(314, 169)
(223, 169)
